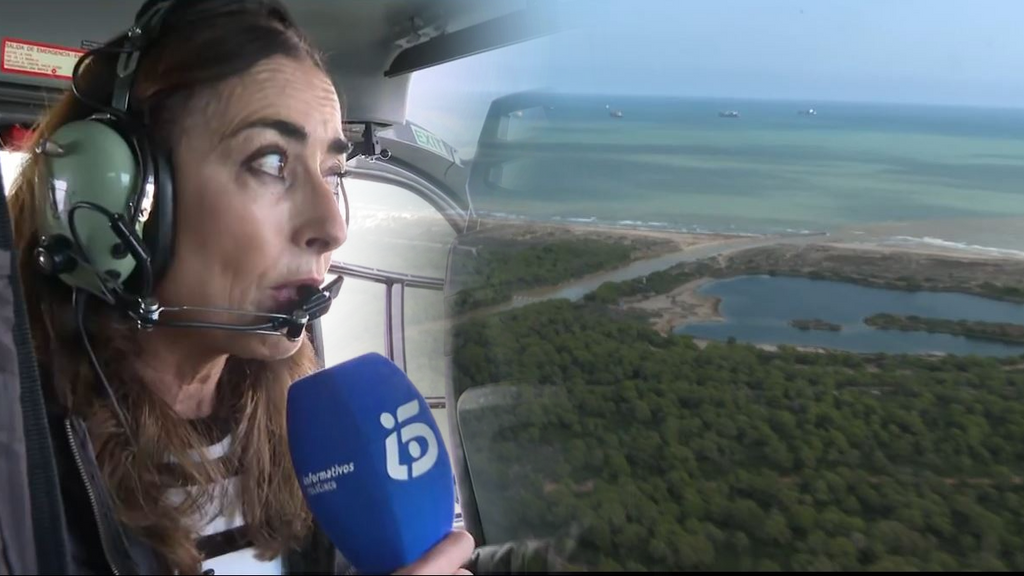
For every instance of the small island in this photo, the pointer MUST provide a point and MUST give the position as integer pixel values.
(815, 324)
(998, 331)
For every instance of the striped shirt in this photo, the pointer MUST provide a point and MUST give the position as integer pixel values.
(223, 539)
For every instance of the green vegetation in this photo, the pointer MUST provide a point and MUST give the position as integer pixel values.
(661, 282)
(999, 331)
(815, 324)
(501, 269)
(996, 279)
(1002, 291)
(665, 456)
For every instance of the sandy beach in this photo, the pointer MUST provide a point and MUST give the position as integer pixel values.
(658, 242)
(684, 305)
(923, 249)
(682, 240)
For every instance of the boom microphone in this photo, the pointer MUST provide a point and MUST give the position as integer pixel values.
(371, 463)
(314, 304)
(146, 310)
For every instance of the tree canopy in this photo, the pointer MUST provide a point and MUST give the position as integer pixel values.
(670, 456)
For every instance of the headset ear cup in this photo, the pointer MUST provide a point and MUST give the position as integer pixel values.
(158, 233)
(88, 172)
(153, 169)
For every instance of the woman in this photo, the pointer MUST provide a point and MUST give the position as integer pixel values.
(186, 468)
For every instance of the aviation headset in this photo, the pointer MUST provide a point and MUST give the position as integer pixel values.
(106, 221)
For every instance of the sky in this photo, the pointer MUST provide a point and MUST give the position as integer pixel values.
(920, 51)
(946, 52)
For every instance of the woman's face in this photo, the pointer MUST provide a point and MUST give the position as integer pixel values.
(257, 166)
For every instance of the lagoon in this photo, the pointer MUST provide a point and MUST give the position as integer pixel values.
(758, 309)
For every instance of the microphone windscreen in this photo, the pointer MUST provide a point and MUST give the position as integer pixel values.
(371, 462)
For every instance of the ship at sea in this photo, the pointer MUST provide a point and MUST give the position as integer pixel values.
(729, 114)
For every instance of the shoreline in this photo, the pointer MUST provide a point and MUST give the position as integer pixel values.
(529, 229)
(893, 240)
(921, 249)
(682, 306)
(703, 343)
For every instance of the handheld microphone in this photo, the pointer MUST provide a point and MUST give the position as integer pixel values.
(371, 463)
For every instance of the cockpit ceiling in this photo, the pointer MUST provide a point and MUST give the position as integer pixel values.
(371, 45)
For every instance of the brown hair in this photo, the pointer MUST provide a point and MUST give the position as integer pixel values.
(251, 394)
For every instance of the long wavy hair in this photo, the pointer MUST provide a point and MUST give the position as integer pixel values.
(251, 394)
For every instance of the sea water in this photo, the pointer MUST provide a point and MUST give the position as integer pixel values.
(945, 176)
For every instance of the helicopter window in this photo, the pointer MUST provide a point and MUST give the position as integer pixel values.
(757, 306)
(10, 165)
(394, 261)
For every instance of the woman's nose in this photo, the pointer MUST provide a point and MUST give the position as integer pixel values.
(321, 227)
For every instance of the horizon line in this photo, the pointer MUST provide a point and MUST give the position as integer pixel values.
(809, 101)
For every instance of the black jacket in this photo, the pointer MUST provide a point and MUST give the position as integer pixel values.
(97, 542)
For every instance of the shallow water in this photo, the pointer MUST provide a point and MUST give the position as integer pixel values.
(758, 309)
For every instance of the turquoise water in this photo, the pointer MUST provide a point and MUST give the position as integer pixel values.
(878, 171)
(758, 309)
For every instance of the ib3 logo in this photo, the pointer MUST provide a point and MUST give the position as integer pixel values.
(409, 435)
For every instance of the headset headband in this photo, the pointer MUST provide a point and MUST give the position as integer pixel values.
(155, 15)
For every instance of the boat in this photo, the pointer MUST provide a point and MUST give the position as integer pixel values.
(808, 112)
(729, 114)
(615, 113)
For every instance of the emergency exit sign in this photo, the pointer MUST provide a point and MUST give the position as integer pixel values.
(430, 142)
(38, 59)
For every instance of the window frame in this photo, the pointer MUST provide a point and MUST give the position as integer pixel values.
(395, 285)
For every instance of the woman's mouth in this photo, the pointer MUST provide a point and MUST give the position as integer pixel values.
(286, 299)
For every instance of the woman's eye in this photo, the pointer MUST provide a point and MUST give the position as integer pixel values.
(272, 164)
(335, 181)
